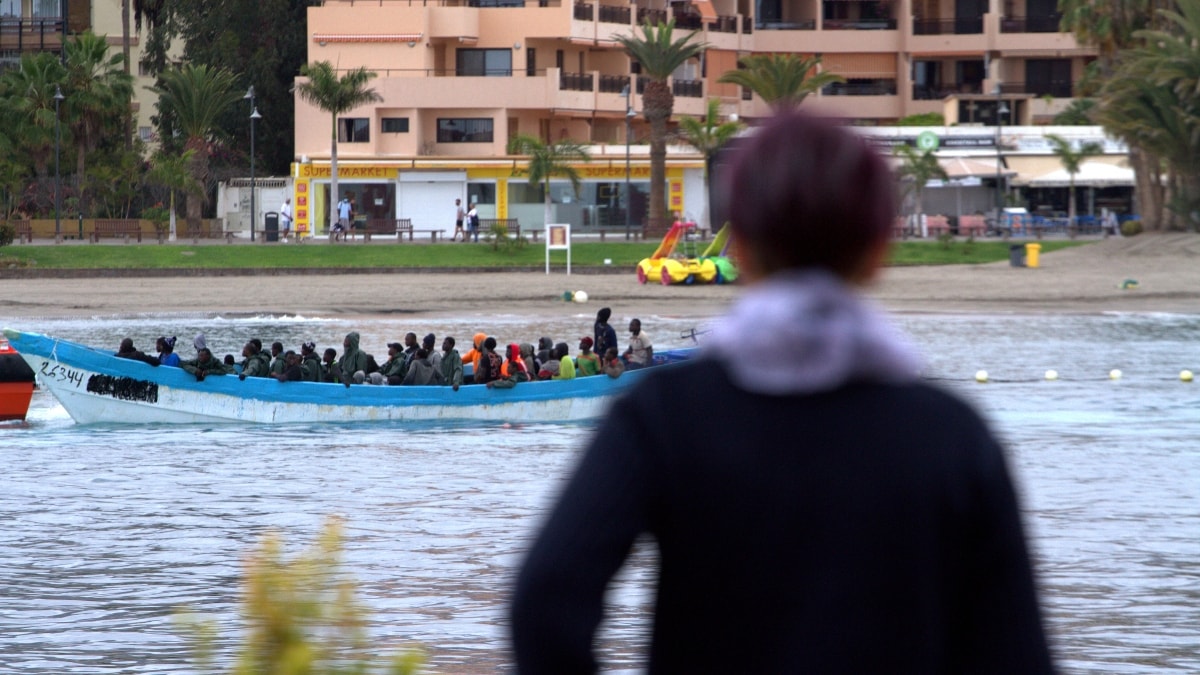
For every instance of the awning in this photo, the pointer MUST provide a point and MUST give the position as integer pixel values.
(1091, 174)
(860, 66)
(708, 14)
(963, 167)
(367, 37)
(1030, 167)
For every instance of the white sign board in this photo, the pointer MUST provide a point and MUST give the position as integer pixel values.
(558, 238)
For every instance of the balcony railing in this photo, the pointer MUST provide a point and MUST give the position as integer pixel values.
(924, 92)
(688, 88)
(1031, 24)
(1055, 88)
(22, 34)
(444, 3)
(861, 88)
(808, 24)
(859, 24)
(724, 24)
(611, 14)
(613, 84)
(948, 26)
(576, 81)
(688, 21)
(583, 11)
(747, 25)
(653, 17)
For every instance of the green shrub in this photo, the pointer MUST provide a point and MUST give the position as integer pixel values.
(7, 234)
(499, 239)
(301, 617)
(1130, 228)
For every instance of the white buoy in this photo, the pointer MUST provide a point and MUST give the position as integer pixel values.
(580, 296)
(1185, 375)
(1051, 375)
(981, 376)
(1114, 374)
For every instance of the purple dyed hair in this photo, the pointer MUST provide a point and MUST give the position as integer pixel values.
(804, 192)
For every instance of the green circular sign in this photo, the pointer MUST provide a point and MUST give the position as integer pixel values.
(927, 141)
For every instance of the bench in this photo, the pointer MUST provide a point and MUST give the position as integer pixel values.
(117, 227)
(972, 226)
(404, 226)
(22, 231)
(512, 226)
(633, 234)
(383, 226)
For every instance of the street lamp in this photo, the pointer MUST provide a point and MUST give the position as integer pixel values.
(254, 117)
(58, 98)
(629, 115)
(1001, 111)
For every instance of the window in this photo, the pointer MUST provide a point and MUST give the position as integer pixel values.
(395, 125)
(146, 134)
(464, 130)
(47, 9)
(354, 130)
(484, 62)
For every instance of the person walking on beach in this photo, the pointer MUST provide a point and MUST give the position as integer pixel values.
(459, 214)
(833, 513)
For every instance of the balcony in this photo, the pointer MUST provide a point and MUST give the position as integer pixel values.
(725, 24)
(808, 24)
(1031, 24)
(576, 81)
(653, 17)
(925, 92)
(612, 14)
(948, 26)
(25, 34)
(583, 11)
(1055, 88)
(688, 88)
(613, 84)
(861, 88)
(858, 24)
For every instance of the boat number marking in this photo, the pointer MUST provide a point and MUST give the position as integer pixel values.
(55, 371)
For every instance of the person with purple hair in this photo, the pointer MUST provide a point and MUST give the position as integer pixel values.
(817, 508)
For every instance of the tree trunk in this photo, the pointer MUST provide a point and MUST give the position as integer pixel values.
(1149, 189)
(658, 102)
(333, 179)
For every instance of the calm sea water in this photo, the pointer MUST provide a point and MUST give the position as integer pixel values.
(108, 530)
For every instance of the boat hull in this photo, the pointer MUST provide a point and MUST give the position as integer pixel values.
(16, 384)
(96, 387)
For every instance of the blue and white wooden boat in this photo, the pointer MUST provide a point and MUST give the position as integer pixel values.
(96, 387)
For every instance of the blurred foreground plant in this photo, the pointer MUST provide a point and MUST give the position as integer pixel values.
(301, 617)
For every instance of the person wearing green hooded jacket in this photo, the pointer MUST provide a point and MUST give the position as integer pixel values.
(353, 364)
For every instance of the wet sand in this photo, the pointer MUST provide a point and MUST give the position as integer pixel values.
(1086, 279)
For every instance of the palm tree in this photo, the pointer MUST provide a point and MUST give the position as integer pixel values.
(31, 87)
(550, 160)
(783, 81)
(1071, 159)
(917, 169)
(97, 92)
(173, 172)
(335, 95)
(193, 98)
(708, 136)
(659, 54)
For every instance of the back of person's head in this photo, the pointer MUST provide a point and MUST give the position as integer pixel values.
(490, 344)
(803, 192)
(603, 315)
(562, 349)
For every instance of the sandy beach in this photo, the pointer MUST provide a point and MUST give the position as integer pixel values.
(1086, 279)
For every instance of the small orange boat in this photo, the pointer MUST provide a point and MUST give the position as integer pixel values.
(16, 383)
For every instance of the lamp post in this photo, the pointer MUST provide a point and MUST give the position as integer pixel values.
(629, 115)
(254, 117)
(1001, 111)
(58, 98)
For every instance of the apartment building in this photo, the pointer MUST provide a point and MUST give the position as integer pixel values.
(459, 78)
(46, 25)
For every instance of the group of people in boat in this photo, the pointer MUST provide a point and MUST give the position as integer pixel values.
(414, 362)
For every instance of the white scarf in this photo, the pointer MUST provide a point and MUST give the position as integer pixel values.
(806, 332)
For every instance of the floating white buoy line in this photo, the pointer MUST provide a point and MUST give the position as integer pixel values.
(1114, 374)
(981, 376)
(1052, 375)
(1185, 375)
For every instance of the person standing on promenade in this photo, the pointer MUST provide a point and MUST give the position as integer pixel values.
(459, 214)
(833, 512)
(285, 219)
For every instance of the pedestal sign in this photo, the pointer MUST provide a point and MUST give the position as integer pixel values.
(558, 238)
